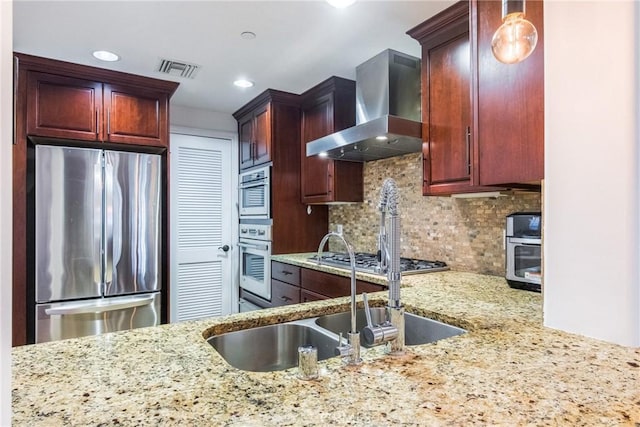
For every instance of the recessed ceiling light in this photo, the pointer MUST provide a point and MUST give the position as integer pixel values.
(243, 83)
(248, 35)
(323, 154)
(105, 55)
(341, 4)
(381, 138)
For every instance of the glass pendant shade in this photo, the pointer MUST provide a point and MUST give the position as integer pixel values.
(516, 38)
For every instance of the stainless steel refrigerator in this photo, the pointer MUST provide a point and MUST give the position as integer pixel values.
(97, 241)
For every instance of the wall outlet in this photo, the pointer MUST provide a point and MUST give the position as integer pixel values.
(339, 229)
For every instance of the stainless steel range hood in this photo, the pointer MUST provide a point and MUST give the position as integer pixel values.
(387, 112)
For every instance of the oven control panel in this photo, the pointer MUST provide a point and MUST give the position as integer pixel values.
(255, 231)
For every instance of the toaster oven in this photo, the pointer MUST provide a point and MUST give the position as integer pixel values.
(523, 251)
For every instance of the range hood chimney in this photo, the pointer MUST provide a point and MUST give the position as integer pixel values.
(387, 112)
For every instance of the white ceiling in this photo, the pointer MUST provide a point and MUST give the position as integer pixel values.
(298, 43)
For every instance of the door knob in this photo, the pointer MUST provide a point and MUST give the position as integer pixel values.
(224, 248)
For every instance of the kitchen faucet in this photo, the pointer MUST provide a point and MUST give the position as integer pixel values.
(350, 351)
(391, 331)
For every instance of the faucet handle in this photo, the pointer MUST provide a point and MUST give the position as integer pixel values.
(367, 310)
(374, 335)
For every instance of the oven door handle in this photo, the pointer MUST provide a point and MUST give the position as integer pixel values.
(524, 241)
(253, 184)
(253, 246)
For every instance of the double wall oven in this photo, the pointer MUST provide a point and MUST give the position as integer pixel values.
(255, 238)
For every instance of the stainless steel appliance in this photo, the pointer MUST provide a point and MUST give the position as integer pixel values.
(523, 251)
(255, 194)
(368, 263)
(246, 306)
(255, 259)
(388, 120)
(97, 241)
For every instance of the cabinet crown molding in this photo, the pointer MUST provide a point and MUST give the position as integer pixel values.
(53, 66)
(269, 95)
(451, 19)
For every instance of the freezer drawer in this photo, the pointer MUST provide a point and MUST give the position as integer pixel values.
(73, 319)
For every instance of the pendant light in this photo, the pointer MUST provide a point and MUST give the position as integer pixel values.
(516, 38)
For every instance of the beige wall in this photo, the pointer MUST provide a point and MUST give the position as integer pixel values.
(592, 169)
(465, 233)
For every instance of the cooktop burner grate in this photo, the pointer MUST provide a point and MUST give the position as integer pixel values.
(368, 263)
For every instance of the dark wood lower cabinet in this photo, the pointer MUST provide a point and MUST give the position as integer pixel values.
(308, 296)
(291, 284)
(284, 293)
(333, 286)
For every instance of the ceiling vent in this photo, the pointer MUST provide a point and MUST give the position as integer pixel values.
(178, 68)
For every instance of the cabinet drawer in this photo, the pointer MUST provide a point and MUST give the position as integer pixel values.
(307, 296)
(332, 285)
(283, 293)
(285, 273)
(369, 287)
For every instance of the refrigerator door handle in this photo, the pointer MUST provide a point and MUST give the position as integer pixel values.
(98, 202)
(100, 306)
(108, 224)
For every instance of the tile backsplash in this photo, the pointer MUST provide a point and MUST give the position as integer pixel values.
(465, 233)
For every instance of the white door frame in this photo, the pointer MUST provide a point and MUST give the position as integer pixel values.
(233, 253)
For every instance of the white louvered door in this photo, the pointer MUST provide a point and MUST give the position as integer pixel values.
(201, 225)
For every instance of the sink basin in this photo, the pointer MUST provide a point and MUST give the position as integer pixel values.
(271, 348)
(418, 330)
(275, 347)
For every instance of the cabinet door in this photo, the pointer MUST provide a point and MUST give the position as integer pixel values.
(245, 136)
(63, 107)
(134, 115)
(285, 273)
(284, 293)
(317, 172)
(262, 134)
(510, 104)
(447, 150)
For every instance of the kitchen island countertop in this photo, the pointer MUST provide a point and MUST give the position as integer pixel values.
(506, 370)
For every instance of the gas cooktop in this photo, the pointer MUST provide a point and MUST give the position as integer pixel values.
(368, 263)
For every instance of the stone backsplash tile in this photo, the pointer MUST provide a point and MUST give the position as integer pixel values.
(465, 233)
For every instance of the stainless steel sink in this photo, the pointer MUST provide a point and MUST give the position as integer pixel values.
(275, 347)
(418, 330)
(271, 348)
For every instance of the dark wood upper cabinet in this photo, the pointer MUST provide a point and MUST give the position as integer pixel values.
(135, 115)
(446, 102)
(255, 130)
(245, 140)
(262, 135)
(482, 120)
(327, 108)
(61, 106)
(255, 134)
(510, 103)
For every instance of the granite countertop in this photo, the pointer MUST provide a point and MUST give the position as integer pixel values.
(506, 370)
